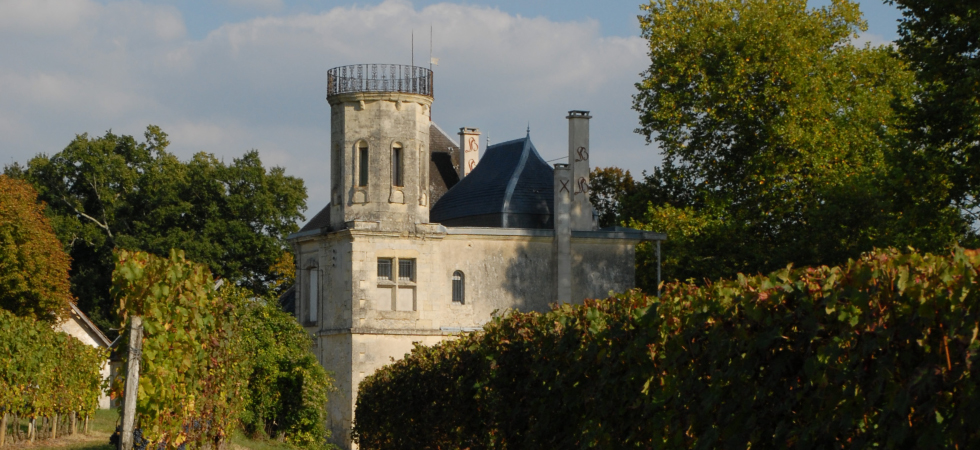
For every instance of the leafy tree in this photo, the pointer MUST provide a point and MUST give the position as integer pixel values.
(941, 42)
(33, 264)
(287, 387)
(775, 127)
(113, 192)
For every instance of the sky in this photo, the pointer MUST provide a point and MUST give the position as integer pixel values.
(227, 76)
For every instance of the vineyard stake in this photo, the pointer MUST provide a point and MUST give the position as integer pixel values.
(3, 429)
(132, 382)
(54, 427)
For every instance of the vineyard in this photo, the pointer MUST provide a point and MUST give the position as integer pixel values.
(876, 353)
(214, 357)
(50, 382)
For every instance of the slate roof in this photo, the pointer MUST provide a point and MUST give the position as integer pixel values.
(443, 160)
(320, 220)
(511, 187)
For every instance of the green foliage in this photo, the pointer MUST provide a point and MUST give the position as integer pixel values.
(216, 358)
(287, 387)
(112, 192)
(877, 353)
(940, 159)
(33, 265)
(192, 372)
(778, 132)
(45, 372)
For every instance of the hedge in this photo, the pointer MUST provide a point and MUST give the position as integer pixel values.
(876, 353)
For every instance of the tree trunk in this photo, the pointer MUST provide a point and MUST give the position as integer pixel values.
(32, 429)
(132, 382)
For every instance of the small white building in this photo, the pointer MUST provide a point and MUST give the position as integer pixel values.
(79, 326)
(424, 238)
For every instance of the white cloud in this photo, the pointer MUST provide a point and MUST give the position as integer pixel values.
(45, 17)
(264, 5)
(875, 40)
(261, 83)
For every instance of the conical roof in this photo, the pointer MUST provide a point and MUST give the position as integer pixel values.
(511, 187)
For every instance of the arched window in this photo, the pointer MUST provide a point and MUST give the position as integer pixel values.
(459, 287)
(397, 168)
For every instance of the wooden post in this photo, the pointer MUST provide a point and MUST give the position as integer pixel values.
(54, 427)
(74, 422)
(86, 424)
(32, 428)
(132, 382)
(3, 429)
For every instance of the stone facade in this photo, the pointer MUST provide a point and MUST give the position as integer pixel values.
(375, 276)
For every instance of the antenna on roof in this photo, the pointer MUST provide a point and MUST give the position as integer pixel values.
(529, 128)
(488, 139)
(413, 47)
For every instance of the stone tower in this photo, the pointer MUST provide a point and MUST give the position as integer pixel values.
(379, 118)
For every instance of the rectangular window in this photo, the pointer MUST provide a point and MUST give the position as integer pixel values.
(396, 166)
(406, 270)
(314, 294)
(384, 269)
(362, 166)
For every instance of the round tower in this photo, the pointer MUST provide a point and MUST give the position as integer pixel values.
(379, 150)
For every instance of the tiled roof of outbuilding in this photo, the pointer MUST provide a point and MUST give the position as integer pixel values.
(511, 187)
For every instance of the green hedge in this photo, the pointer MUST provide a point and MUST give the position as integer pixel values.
(877, 353)
(44, 372)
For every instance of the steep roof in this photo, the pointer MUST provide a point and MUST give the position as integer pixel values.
(511, 187)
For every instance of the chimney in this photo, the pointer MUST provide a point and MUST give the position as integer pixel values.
(578, 162)
(469, 150)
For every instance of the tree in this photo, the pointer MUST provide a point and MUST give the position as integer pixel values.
(113, 192)
(776, 125)
(33, 265)
(940, 40)
(287, 387)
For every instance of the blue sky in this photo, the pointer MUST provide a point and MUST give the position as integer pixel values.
(226, 76)
(616, 17)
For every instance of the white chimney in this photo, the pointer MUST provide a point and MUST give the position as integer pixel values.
(469, 150)
(578, 162)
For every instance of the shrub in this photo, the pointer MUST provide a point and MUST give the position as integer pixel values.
(875, 353)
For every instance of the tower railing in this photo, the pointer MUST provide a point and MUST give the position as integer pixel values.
(379, 78)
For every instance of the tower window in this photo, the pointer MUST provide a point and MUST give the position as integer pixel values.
(314, 296)
(459, 287)
(406, 270)
(396, 166)
(384, 269)
(362, 165)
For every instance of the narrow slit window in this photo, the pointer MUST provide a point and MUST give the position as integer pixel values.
(396, 166)
(384, 269)
(459, 287)
(406, 270)
(362, 165)
(314, 294)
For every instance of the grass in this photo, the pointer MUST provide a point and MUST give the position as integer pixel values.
(104, 424)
